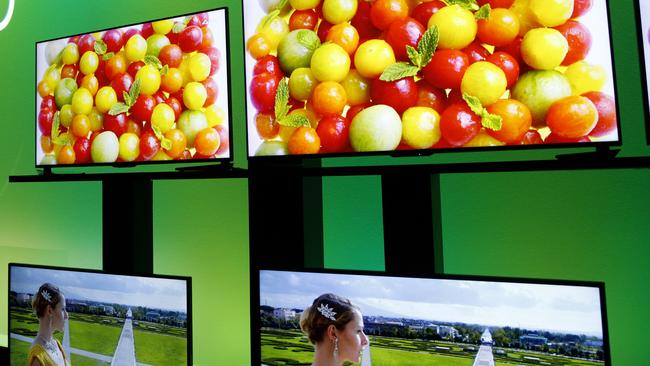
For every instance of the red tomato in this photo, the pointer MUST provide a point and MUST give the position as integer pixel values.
(121, 84)
(404, 32)
(262, 91)
(516, 120)
(303, 19)
(508, 64)
(579, 39)
(361, 21)
(268, 63)
(572, 117)
(334, 133)
(82, 150)
(497, 3)
(399, 94)
(581, 7)
(431, 97)
(446, 69)
(606, 107)
(190, 39)
(458, 124)
(532, 137)
(143, 107)
(476, 52)
(149, 145)
(117, 123)
(384, 12)
(423, 12)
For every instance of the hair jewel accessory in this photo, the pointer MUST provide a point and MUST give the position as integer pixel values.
(46, 295)
(326, 311)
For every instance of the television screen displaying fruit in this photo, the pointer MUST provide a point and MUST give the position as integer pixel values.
(90, 317)
(377, 319)
(151, 92)
(344, 77)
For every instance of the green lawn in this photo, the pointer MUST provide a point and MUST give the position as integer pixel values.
(159, 349)
(93, 337)
(393, 357)
(19, 351)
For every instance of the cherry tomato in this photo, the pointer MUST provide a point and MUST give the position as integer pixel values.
(399, 94)
(48, 102)
(113, 39)
(262, 90)
(458, 124)
(404, 32)
(356, 109)
(606, 107)
(446, 69)
(572, 117)
(423, 12)
(149, 145)
(513, 49)
(516, 120)
(303, 19)
(431, 97)
(176, 105)
(86, 43)
(82, 150)
(334, 134)
(179, 143)
(207, 141)
(115, 66)
(214, 55)
(116, 124)
(304, 140)
(329, 98)
(268, 64)
(532, 137)
(190, 39)
(121, 84)
(345, 35)
(476, 52)
(266, 125)
(384, 12)
(361, 21)
(323, 30)
(211, 88)
(258, 46)
(224, 139)
(143, 107)
(69, 71)
(501, 28)
(45, 118)
(171, 55)
(581, 7)
(146, 30)
(579, 39)
(134, 67)
(497, 3)
(508, 64)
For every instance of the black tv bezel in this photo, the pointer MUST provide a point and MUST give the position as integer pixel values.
(641, 41)
(189, 162)
(275, 159)
(256, 349)
(187, 279)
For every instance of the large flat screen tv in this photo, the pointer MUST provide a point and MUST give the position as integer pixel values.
(348, 77)
(98, 318)
(151, 92)
(377, 319)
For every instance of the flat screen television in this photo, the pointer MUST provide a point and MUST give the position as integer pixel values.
(158, 91)
(110, 319)
(643, 21)
(348, 77)
(442, 320)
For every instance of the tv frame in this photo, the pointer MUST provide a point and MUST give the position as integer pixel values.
(256, 349)
(289, 158)
(643, 41)
(187, 279)
(225, 54)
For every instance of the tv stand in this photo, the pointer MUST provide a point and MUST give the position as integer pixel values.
(225, 166)
(601, 153)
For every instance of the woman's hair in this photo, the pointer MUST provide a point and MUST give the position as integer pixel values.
(47, 294)
(327, 309)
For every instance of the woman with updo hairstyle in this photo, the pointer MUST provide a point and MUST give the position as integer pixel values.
(335, 327)
(49, 305)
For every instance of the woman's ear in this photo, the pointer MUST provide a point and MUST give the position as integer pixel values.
(331, 332)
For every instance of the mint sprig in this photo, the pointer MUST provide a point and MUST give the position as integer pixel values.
(465, 4)
(483, 12)
(129, 99)
(165, 143)
(100, 47)
(282, 108)
(491, 121)
(55, 135)
(179, 27)
(419, 58)
(153, 61)
(268, 18)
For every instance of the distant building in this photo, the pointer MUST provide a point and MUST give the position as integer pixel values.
(597, 344)
(24, 298)
(446, 331)
(533, 340)
(108, 310)
(284, 314)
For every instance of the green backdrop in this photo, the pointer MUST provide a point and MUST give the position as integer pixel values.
(584, 225)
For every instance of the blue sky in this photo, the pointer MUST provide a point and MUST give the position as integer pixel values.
(569, 309)
(167, 294)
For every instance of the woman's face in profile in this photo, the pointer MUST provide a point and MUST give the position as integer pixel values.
(59, 315)
(352, 340)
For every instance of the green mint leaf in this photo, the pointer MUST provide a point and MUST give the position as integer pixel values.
(118, 108)
(307, 39)
(267, 19)
(281, 5)
(164, 70)
(56, 124)
(166, 143)
(158, 132)
(100, 47)
(282, 99)
(428, 44)
(178, 27)
(63, 140)
(414, 56)
(127, 98)
(492, 121)
(294, 120)
(108, 56)
(465, 4)
(153, 61)
(134, 92)
(398, 71)
(483, 12)
(474, 104)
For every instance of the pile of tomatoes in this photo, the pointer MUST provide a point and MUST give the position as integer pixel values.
(138, 94)
(523, 64)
